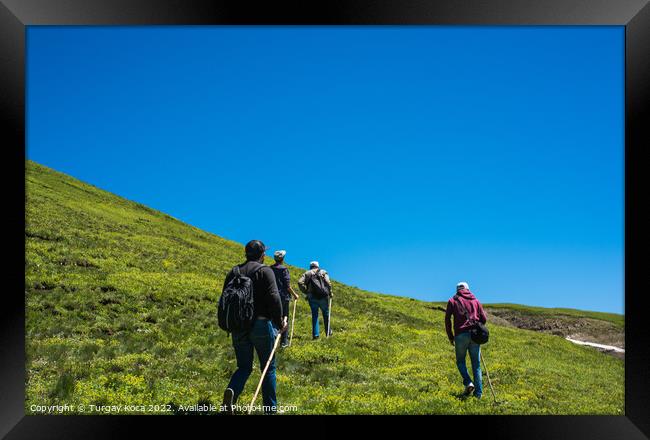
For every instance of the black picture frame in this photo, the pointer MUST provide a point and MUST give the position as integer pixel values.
(15, 15)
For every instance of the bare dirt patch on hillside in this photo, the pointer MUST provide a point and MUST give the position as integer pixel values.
(580, 328)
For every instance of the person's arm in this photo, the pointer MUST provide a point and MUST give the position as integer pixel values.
(301, 283)
(287, 282)
(481, 314)
(448, 314)
(329, 283)
(273, 301)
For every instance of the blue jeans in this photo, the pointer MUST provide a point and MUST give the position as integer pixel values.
(261, 339)
(463, 343)
(315, 304)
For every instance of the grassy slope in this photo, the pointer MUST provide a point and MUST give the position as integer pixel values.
(121, 308)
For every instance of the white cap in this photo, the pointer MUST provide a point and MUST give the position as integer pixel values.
(313, 264)
(279, 255)
(462, 284)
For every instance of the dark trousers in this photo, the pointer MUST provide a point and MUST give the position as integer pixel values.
(260, 339)
(285, 313)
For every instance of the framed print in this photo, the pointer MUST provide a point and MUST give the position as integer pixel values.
(358, 209)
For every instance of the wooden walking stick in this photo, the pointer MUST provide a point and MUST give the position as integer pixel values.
(488, 377)
(329, 317)
(259, 385)
(293, 319)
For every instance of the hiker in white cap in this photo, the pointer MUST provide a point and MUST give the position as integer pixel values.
(283, 280)
(466, 310)
(318, 287)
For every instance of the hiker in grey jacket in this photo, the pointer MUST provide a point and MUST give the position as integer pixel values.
(318, 287)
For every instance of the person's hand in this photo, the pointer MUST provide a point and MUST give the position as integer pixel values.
(285, 325)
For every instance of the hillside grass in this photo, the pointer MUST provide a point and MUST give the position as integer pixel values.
(121, 309)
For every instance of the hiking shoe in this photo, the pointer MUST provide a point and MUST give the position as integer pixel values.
(469, 389)
(226, 406)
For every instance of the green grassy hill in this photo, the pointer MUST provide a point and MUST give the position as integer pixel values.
(121, 309)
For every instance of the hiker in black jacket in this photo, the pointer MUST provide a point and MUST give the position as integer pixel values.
(283, 279)
(268, 322)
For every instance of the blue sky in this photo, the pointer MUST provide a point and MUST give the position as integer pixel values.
(404, 159)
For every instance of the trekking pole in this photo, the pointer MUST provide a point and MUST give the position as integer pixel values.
(488, 378)
(259, 385)
(329, 317)
(293, 319)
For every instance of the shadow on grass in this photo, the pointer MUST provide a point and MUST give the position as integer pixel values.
(461, 395)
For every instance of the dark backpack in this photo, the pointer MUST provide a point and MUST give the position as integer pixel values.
(235, 311)
(478, 331)
(317, 286)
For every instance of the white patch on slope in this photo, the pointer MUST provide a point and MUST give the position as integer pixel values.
(601, 346)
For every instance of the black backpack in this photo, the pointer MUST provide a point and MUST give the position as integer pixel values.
(317, 286)
(235, 311)
(478, 331)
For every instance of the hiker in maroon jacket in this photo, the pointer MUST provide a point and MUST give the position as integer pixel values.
(465, 301)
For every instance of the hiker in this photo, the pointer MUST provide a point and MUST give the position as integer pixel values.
(267, 321)
(283, 280)
(318, 287)
(462, 340)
